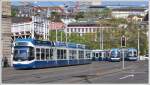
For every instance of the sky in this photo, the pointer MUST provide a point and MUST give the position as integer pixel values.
(103, 2)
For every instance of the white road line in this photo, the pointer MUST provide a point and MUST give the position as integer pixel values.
(127, 76)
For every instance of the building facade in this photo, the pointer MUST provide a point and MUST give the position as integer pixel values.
(35, 28)
(30, 10)
(6, 32)
(84, 27)
(125, 12)
(134, 18)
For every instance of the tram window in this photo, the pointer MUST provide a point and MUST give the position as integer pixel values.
(88, 54)
(72, 54)
(47, 54)
(61, 54)
(31, 53)
(134, 53)
(97, 55)
(42, 54)
(58, 54)
(93, 54)
(100, 54)
(119, 54)
(15, 55)
(37, 53)
(81, 54)
(51, 53)
(64, 56)
(105, 55)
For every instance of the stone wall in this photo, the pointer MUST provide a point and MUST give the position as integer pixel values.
(6, 31)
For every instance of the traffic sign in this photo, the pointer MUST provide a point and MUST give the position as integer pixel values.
(123, 41)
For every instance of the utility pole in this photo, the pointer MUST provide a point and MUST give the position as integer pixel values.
(66, 6)
(138, 44)
(61, 36)
(102, 38)
(56, 32)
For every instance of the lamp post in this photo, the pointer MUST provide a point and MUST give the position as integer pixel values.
(66, 6)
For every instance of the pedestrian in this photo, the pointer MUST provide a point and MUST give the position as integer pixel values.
(5, 62)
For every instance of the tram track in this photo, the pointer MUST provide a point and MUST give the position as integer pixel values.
(58, 74)
(38, 71)
(94, 75)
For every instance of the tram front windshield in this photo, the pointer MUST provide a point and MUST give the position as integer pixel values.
(23, 54)
(130, 54)
(114, 54)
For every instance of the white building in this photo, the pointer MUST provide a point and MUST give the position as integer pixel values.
(84, 27)
(125, 12)
(36, 28)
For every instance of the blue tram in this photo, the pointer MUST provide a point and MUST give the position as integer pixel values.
(131, 54)
(31, 53)
(115, 54)
(100, 55)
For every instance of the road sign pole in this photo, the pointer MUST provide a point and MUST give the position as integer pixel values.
(123, 44)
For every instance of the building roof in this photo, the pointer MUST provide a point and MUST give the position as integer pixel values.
(128, 9)
(21, 19)
(51, 8)
(131, 16)
(56, 25)
(97, 7)
(79, 24)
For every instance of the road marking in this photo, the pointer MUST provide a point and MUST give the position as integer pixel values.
(127, 76)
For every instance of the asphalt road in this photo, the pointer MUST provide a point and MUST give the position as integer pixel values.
(97, 72)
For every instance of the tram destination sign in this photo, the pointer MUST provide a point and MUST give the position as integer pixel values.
(21, 43)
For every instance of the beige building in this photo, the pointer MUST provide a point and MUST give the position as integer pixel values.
(134, 18)
(6, 31)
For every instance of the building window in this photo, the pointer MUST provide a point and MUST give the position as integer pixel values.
(90, 29)
(78, 29)
(67, 30)
(94, 30)
(86, 29)
(74, 29)
(82, 29)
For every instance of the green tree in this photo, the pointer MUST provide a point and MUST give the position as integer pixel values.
(79, 15)
(111, 37)
(55, 17)
(13, 13)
